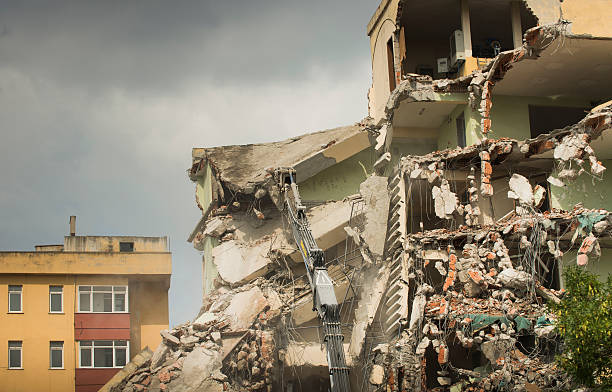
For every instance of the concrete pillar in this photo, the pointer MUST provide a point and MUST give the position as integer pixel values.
(517, 29)
(465, 26)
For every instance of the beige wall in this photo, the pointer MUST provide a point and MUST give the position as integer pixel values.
(98, 263)
(111, 243)
(382, 30)
(590, 17)
(36, 327)
(148, 313)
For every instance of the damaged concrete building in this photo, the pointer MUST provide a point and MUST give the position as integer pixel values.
(446, 216)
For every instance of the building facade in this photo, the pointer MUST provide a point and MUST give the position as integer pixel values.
(76, 313)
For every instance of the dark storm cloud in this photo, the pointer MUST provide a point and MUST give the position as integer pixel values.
(102, 101)
(161, 44)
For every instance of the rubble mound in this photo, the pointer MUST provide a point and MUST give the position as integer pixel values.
(228, 347)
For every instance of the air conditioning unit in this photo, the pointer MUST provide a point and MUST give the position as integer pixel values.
(443, 65)
(457, 54)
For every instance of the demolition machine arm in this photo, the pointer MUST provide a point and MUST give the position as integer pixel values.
(324, 297)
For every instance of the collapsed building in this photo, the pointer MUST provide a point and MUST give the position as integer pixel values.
(446, 216)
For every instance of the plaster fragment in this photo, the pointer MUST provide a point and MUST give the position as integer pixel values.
(555, 181)
(520, 189)
(445, 201)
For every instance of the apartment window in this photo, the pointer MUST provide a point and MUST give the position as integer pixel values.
(55, 299)
(460, 121)
(391, 64)
(14, 354)
(15, 299)
(56, 355)
(103, 299)
(103, 353)
(126, 247)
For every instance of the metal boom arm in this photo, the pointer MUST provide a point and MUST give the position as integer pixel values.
(324, 297)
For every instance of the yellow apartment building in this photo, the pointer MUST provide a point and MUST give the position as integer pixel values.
(73, 315)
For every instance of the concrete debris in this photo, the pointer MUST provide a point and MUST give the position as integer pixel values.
(555, 181)
(520, 189)
(445, 201)
(589, 248)
(238, 264)
(377, 375)
(216, 227)
(514, 279)
(571, 147)
(381, 164)
(376, 199)
(203, 355)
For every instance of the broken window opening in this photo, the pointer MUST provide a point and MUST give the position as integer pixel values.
(432, 275)
(391, 64)
(544, 119)
(427, 27)
(491, 27)
(460, 121)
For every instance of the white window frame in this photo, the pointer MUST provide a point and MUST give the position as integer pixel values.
(20, 348)
(112, 292)
(61, 294)
(13, 292)
(51, 349)
(92, 353)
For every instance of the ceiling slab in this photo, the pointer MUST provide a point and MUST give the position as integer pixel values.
(569, 67)
(422, 114)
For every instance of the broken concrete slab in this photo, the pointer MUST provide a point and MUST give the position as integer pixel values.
(159, 356)
(215, 227)
(497, 348)
(198, 367)
(243, 168)
(373, 290)
(376, 199)
(238, 263)
(244, 307)
(169, 338)
(515, 279)
(327, 222)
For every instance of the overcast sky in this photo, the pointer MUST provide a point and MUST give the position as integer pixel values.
(102, 101)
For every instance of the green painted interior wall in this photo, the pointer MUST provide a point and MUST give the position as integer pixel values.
(510, 114)
(401, 147)
(204, 188)
(339, 180)
(602, 267)
(591, 192)
(509, 118)
(209, 270)
(447, 137)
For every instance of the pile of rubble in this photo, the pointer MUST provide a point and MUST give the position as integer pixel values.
(230, 346)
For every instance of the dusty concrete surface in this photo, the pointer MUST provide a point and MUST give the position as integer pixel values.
(243, 168)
